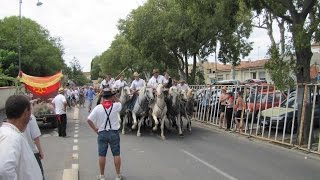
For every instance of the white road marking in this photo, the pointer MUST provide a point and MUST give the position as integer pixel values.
(75, 166)
(76, 127)
(76, 131)
(76, 113)
(76, 135)
(75, 155)
(75, 141)
(75, 147)
(77, 121)
(209, 165)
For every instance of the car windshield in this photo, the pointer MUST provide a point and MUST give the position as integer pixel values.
(290, 102)
(271, 97)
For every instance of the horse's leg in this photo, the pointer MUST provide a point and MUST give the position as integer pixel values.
(139, 126)
(124, 120)
(162, 127)
(156, 121)
(134, 116)
(178, 120)
(189, 122)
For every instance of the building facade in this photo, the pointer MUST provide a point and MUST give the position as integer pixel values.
(252, 69)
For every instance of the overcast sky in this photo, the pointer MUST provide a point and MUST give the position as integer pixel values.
(87, 27)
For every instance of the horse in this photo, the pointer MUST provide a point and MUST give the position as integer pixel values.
(124, 99)
(189, 108)
(159, 110)
(174, 108)
(141, 106)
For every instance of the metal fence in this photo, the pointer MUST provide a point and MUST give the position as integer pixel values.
(267, 113)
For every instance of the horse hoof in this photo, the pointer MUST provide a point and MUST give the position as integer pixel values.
(163, 137)
(181, 135)
(139, 134)
(123, 132)
(133, 126)
(154, 128)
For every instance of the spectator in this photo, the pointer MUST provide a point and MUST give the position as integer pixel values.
(90, 95)
(32, 134)
(239, 107)
(223, 98)
(60, 104)
(17, 160)
(104, 121)
(229, 110)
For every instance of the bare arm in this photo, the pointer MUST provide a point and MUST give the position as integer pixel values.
(93, 127)
(37, 143)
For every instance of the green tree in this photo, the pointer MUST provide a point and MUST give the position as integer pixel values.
(302, 17)
(37, 48)
(74, 72)
(95, 68)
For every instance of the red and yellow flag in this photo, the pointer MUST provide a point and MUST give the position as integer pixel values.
(41, 86)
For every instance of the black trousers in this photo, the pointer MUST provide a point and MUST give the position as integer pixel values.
(229, 117)
(37, 155)
(62, 125)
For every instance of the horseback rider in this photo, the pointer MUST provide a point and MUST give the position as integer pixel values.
(167, 80)
(156, 79)
(183, 85)
(120, 83)
(136, 85)
(107, 82)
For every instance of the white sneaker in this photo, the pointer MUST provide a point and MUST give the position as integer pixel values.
(118, 177)
(101, 177)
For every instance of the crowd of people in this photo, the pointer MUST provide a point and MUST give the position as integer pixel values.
(21, 152)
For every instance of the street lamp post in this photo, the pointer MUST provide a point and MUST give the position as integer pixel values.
(20, 3)
(20, 31)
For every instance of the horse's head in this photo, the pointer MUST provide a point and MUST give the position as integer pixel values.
(126, 90)
(183, 95)
(148, 93)
(191, 94)
(173, 93)
(159, 90)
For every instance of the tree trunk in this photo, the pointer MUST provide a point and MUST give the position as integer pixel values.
(186, 65)
(303, 55)
(269, 23)
(282, 38)
(194, 68)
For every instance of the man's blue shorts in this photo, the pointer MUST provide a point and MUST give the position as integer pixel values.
(111, 138)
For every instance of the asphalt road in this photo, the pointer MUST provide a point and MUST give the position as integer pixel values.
(206, 154)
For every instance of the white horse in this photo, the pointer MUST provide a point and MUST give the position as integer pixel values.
(141, 107)
(124, 99)
(159, 110)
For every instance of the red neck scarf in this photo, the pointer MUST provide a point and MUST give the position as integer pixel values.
(107, 104)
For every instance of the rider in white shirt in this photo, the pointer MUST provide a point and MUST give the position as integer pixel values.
(107, 82)
(120, 82)
(136, 85)
(183, 85)
(156, 79)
